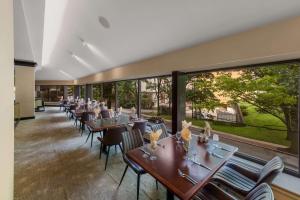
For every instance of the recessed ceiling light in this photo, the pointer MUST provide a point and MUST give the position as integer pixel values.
(104, 22)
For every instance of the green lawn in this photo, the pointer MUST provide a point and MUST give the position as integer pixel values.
(264, 123)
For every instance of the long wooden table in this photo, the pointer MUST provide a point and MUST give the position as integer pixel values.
(171, 156)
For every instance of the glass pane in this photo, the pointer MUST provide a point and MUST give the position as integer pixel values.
(127, 95)
(149, 97)
(255, 109)
(97, 92)
(109, 95)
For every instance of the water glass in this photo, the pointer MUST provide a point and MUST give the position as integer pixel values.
(216, 140)
(178, 136)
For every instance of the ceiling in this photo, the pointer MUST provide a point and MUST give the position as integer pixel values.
(67, 40)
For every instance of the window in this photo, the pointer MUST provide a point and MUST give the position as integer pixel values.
(50, 93)
(253, 108)
(149, 97)
(82, 91)
(127, 92)
(109, 95)
(97, 92)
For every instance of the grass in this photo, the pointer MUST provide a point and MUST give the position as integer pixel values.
(259, 126)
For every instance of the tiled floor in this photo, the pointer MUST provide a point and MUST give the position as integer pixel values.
(52, 161)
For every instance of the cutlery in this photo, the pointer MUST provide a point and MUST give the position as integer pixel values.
(222, 148)
(200, 164)
(217, 155)
(144, 151)
(189, 178)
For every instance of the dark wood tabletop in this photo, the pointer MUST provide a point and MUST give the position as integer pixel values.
(171, 156)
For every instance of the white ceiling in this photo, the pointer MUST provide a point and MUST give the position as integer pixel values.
(49, 33)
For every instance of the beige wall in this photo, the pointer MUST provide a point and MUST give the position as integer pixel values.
(6, 99)
(25, 90)
(278, 41)
(53, 82)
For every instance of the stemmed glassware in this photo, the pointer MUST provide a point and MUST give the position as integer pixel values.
(145, 155)
(178, 136)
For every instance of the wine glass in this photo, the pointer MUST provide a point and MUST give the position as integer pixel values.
(216, 140)
(145, 155)
(178, 136)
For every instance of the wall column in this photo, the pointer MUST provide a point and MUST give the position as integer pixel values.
(178, 100)
(139, 100)
(65, 91)
(7, 100)
(25, 87)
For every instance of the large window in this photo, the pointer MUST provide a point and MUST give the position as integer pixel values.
(97, 92)
(254, 108)
(70, 90)
(82, 91)
(50, 93)
(127, 92)
(109, 95)
(149, 97)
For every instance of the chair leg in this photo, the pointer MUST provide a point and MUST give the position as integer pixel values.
(100, 150)
(120, 147)
(123, 175)
(156, 183)
(92, 138)
(138, 186)
(88, 137)
(107, 157)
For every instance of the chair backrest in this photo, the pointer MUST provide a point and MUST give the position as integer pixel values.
(161, 126)
(141, 125)
(113, 136)
(87, 116)
(72, 107)
(270, 170)
(261, 192)
(131, 140)
(104, 114)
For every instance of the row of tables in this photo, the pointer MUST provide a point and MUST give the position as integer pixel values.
(197, 163)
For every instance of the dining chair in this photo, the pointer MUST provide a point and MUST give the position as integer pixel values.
(105, 114)
(112, 137)
(132, 140)
(86, 116)
(141, 125)
(161, 126)
(242, 180)
(212, 192)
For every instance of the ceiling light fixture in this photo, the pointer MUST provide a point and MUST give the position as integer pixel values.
(66, 74)
(104, 22)
(53, 18)
(81, 61)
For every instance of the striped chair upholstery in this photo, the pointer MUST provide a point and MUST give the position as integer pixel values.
(244, 167)
(261, 192)
(161, 126)
(131, 140)
(240, 181)
(212, 192)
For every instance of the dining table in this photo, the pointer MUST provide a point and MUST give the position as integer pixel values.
(103, 124)
(183, 171)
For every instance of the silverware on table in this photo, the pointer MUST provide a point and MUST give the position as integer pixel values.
(189, 178)
(200, 164)
(217, 155)
(222, 148)
(144, 151)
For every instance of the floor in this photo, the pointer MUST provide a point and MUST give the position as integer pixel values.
(52, 161)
